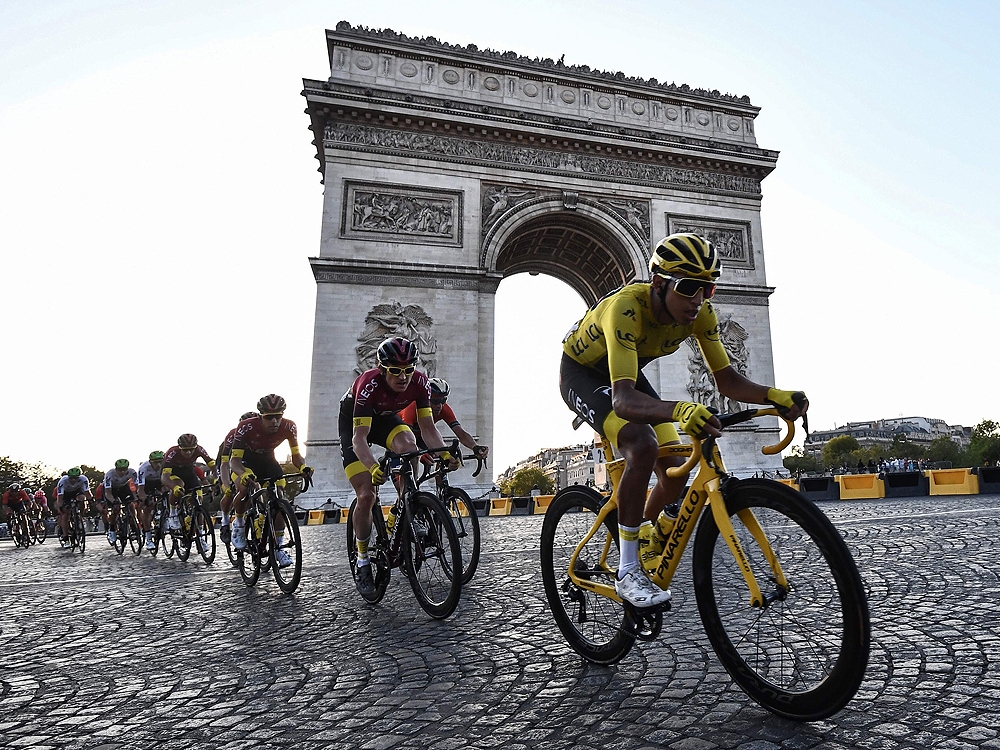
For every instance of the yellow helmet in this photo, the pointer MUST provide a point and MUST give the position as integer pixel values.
(685, 254)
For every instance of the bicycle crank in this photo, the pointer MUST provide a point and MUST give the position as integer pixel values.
(644, 624)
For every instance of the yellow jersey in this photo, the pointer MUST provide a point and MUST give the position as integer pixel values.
(621, 331)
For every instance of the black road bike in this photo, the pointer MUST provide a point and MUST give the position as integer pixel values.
(423, 542)
(271, 528)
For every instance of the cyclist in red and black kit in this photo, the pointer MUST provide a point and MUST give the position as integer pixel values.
(180, 474)
(225, 449)
(15, 500)
(369, 416)
(441, 412)
(252, 457)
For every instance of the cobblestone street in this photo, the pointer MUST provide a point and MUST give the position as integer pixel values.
(125, 652)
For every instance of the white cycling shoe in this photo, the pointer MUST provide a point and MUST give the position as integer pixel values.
(639, 591)
(283, 558)
(239, 537)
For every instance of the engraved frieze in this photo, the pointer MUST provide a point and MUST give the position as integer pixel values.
(701, 386)
(394, 319)
(731, 239)
(497, 199)
(425, 145)
(634, 213)
(409, 214)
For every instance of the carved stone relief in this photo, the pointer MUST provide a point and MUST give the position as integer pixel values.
(463, 150)
(498, 198)
(701, 386)
(394, 319)
(731, 239)
(633, 213)
(402, 213)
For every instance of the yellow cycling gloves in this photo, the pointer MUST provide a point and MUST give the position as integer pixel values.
(785, 399)
(691, 417)
(378, 476)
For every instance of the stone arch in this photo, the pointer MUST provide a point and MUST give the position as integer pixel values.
(578, 242)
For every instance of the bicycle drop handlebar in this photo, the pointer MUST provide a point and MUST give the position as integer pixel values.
(427, 473)
(704, 447)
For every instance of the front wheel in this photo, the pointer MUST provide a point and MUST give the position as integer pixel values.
(285, 547)
(466, 523)
(432, 555)
(204, 534)
(41, 533)
(120, 527)
(135, 536)
(593, 625)
(803, 654)
(79, 532)
(378, 553)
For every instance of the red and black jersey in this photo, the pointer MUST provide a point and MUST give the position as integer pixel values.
(372, 396)
(251, 436)
(174, 459)
(15, 497)
(226, 447)
(409, 415)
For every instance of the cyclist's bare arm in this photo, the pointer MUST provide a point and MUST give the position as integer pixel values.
(431, 436)
(464, 437)
(734, 385)
(635, 406)
(297, 460)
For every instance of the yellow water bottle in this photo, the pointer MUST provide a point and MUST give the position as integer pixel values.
(258, 526)
(390, 521)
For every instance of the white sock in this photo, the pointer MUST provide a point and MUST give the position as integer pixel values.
(628, 537)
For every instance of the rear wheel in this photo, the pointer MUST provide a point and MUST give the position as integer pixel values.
(289, 543)
(41, 532)
(79, 531)
(248, 562)
(466, 523)
(135, 539)
(803, 654)
(118, 525)
(204, 534)
(165, 539)
(377, 553)
(593, 625)
(182, 538)
(432, 555)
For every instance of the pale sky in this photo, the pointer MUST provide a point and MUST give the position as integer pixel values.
(159, 200)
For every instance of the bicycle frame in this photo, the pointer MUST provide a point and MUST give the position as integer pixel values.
(706, 489)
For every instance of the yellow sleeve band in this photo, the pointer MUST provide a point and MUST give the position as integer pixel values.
(211, 464)
(425, 412)
(295, 450)
(237, 453)
(362, 421)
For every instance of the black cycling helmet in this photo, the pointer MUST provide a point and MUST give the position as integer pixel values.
(271, 404)
(439, 387)
(249, 415)
(187, 440)
(396, 352)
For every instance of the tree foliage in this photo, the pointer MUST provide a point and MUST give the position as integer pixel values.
(838, 451)
(985, 445)
(524, 480)
(798, 462)
(35, 476)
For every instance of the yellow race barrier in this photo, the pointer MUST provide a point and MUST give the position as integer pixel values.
(860, 486)
(541, 504)
(791, 483)
(315, 518)
(500, 506)
(952, 482)
(344, 515)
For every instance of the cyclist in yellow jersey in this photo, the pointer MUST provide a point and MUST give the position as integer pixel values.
(601, 379)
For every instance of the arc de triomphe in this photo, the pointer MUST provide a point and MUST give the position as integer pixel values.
(447, 168)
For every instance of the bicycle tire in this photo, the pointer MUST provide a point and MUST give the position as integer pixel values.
(41, 532)
(432, 555)
(117, 522)
(378, 555)
(79, 532)
(249, 564)
(135, 536)
(17, 533)
(182, 539)
(467, 528)
(288, 577)
(804, 655)
(593, 625)
(166, 538)
(231, 552)
(204, 534)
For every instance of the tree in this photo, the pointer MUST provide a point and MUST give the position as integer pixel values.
(945, 449)
(903, 448)
(797, 461)
(838, 451)
(985, 445)
(524, 480)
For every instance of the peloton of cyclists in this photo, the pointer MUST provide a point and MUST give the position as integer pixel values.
(601, 379)
(369, 415)
(252, 457)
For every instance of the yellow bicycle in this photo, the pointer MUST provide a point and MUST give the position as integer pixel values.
(778, 592)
